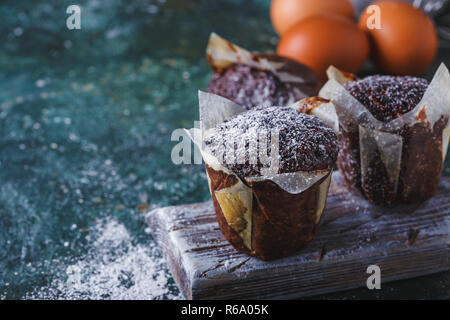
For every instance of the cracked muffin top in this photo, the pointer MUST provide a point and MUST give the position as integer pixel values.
(305, 143)
(388, 97)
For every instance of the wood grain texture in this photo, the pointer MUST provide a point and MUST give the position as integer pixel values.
(405, 241)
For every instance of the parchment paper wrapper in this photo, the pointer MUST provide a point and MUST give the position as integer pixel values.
(322, 108)
(400, 160)
(270, 216)
(221, 54)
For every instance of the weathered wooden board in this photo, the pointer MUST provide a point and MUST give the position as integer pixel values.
(353, 235)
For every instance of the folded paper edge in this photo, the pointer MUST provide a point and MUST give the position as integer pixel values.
(393, 168)
(333, 88)
(236, 203)
(325, 111)
(221, 53)
(340, 76)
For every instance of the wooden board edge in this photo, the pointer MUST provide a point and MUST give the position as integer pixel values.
(173, 259)
(410, 273)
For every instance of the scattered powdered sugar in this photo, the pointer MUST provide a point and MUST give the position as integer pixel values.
(303, 142)
(114, 268)
(388, 97)
(250, 87)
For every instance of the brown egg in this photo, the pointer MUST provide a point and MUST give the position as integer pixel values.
(321, 41)
(286, 13)
(407, 42)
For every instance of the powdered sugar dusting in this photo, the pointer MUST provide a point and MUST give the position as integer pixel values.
(388, 97)
(114, 268)
(250, 87)
(305, 143)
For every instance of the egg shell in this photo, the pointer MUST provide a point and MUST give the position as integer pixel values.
(324, 40)
(407, 42)
(286, 13)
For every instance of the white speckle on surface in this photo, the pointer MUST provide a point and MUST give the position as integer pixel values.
(113, 33)
(40, 83)
(186, 75)
(73, 137)
(67, 44)
(152, 9)
(18, 31)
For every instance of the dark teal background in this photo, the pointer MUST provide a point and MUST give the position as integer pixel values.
(85, 123)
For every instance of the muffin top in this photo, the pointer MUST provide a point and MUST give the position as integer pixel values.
(305, 142)
(250, 87)
(388, 97)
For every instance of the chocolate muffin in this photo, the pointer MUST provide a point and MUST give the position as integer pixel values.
(257, 213)
(388, 98)
(252, 79)
(249, 86)
(305, 142)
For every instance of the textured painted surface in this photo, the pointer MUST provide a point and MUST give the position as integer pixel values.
(85, 123)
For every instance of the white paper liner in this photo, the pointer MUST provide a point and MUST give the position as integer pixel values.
(293, 182)
(215, 109)
(340, 76)
(352, 116)
(325, 112)
(236, 203)
(323, 194)
(222, 53)
(372, 140)
(214, 112)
